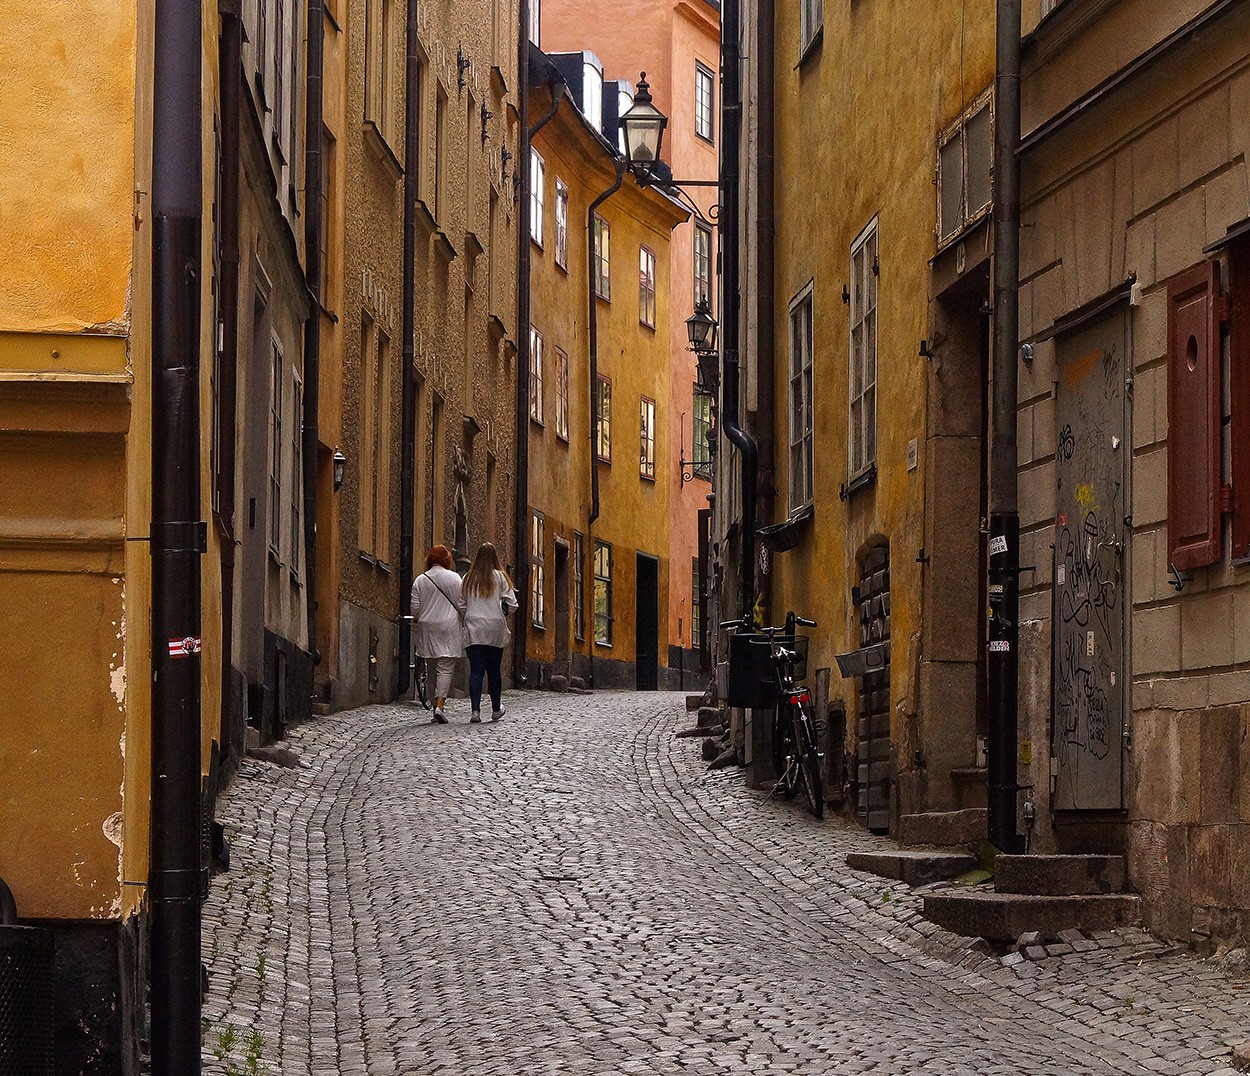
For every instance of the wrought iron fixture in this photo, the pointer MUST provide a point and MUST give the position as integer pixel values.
(486, 115)
(463, 63)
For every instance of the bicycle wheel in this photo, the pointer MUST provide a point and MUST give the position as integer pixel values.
(419, 679)
(809, 766)
(783, 748)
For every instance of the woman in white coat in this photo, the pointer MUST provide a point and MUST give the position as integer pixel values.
(439, 636)
(487, 599)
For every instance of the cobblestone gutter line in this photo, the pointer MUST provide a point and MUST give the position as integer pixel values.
(570, 892)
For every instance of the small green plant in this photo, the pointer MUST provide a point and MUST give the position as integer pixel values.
(253, 1063)
(227, 1040)
(885, 897)
(1130, 1001)
(260, 967)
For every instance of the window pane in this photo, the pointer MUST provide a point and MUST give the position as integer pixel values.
(980, 141)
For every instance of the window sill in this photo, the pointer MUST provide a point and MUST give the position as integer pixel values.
(536, 624)
(445, 246)
(648, 478)
(564, 265)
(707, 140)
(426, 217)
(865, 478)
(603, 298)
(534, 421)
(602, 645)
(563, 437)
(603, 459)
(497, 325)
(536, 242)
(812, 47)
(382, 151)
(646, 324)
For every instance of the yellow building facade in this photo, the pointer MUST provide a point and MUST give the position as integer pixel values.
(75, 502)
(862, 381)
(598, 584)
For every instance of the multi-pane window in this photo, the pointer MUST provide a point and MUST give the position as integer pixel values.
(538, 558)
(965, 169)
(646, 286)
(275, 452)
(536, 22)
(811, 22)
(562, 224)
(603, 437)
(700, 453)
(373, 537)
(279, 78)
(326, 230)
(702, 263)
(297, 475)
(538, 173)
(562, 395)
(801, 458)
(703, 101)
(536, 375)
(579, 586)
(863, 402)
(696, 606)
(603, 593)
(646, 448)
(380, 62)
(603, 251)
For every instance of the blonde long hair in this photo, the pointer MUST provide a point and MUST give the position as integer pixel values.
(480, 579)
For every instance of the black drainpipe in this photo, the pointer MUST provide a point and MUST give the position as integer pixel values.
(520, 403)
(408, 415)
(313, 225)
(731, 128)
(176, 538)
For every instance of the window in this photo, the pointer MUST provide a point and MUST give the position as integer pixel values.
(603, 593)
(702, 264)
(275, 452)
(562, 224)
(603, 251)
(536, 21)
(262, 46)
(279, 75)
(646, 286)
(440, 155)
(696, 607)
(562, 395)
(646, 450)
(1194, 466)
(965, 169)
(603, 438)
(374, 440)
(538, 555)
(579, 586)
(380, 68)
(863, 432)
(704, 96)
(536, 376)
(297, 471)
(327, 203)
(537, 177)
(811, 22)
(592, 95)
(700, 452)
(801, 458)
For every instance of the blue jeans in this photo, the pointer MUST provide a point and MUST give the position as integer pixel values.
(484, 662)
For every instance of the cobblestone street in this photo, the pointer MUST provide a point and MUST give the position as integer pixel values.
(569, 891)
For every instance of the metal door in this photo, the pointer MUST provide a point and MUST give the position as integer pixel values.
(873, 733)
(1089, 673)
(647, 624)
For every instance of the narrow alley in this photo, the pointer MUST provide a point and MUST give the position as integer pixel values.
(570, 891)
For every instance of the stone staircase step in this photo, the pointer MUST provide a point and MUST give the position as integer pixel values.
(913, 865)
(1059, 875)
(943, 829)
(321, 709)
(1003, 917)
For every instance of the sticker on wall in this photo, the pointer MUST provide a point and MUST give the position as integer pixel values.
(182, 648)
(998, 545)
(913, 454)
(1089, 644)
(1000, 646)
(1061, 574)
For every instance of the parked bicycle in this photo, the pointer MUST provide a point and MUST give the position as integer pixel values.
(416, 666)
(796, 742)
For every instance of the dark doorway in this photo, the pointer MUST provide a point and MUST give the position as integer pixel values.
(563, 655)
(647, 624)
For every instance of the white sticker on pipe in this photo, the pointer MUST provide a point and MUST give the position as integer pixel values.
(998, 545)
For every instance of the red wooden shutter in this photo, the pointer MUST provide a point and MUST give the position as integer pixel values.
(1239, 288)
(1193, 418)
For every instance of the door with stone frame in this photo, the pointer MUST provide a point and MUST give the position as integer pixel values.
(1089, 652)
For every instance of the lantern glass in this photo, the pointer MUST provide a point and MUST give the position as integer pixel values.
(643, 125)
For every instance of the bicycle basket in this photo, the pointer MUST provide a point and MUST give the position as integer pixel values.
(751, 679)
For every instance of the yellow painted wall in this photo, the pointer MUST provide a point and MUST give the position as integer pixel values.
(634, 511)
(857, 124)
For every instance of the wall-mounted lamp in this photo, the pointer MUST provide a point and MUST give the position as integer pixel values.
(1027, 354)
(339, 467)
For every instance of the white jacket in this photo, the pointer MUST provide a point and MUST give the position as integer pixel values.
(435, 609)
(484, 620)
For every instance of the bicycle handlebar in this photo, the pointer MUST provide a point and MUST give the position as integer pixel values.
(742, 622)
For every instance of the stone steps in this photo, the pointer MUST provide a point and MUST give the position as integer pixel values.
(1004, 917)
(1059, 875)
(914, 866)
(943, 829)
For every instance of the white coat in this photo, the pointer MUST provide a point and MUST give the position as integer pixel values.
(435, 609)
(484, 620)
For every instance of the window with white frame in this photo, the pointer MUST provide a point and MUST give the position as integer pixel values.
(811, 22)
(275, 451)
(536, 376)
(702, 263)
(863, 382)
(536, 22)
(700, 452)
(562, 395)
(538, 170)
(579, 586)
(603, 256)
(801, 458)
(646, 286)
(603, 593)
(562, 224)
(965, 169)
(704, 101)
(538, 559)
(603, 440)
(646, 450)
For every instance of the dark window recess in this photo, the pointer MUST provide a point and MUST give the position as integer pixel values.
(1239, 289)
(1194, 418)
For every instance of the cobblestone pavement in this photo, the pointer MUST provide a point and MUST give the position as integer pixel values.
(570, 892)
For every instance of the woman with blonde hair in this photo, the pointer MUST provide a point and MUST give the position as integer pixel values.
(487, 599)
(435, 606)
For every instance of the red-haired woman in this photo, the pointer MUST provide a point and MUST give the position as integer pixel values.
(437, 627)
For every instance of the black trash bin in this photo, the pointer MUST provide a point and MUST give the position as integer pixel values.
(752, 682)
(26, 1010)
